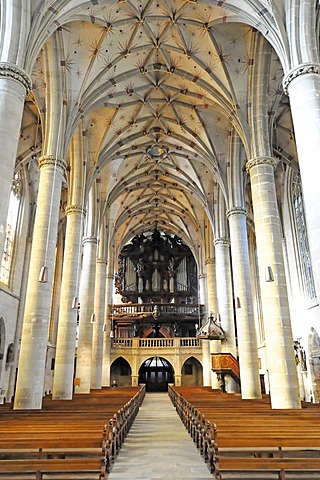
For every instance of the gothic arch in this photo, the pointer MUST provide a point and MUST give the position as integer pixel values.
(191, 372)
(121, 371)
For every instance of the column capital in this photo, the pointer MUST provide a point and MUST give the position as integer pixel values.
(297, 71)
(102, 260)
(236, 211)
(51, 160)
(260, 161)
(10, 70)
(210, 261)
(92, 240)
(73, 209)
(222, 241)
(202, 275)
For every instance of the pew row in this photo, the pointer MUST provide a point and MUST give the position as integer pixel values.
(77, 438)
(240, 436)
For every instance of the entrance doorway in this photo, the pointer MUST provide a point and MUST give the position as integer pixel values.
(156, 373)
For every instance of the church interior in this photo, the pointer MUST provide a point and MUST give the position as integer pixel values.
(160, 211)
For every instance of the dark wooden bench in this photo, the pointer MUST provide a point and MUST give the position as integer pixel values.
(236, 435)
(81, 436)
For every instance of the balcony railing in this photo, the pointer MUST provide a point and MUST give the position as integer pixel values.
(156, 342)
(146, 309)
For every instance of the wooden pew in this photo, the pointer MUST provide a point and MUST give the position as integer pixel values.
(236, 435)
(79, 437)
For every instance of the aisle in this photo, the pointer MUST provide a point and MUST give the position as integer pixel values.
(158, 446)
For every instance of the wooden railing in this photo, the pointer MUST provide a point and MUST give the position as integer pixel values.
(147, 309)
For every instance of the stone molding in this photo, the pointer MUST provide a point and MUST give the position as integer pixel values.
(254, 162)
(72, 209)
(51, 160)
(302, 69)
(222, 241)
(210, 261)
(92, 240)
(236, 211)
(102, 261)
(9, 70)
(110, 276)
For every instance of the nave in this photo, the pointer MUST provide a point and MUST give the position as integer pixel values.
(122, 433)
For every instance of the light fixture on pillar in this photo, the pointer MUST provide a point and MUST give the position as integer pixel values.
(238, 303)
(93, 318)
(75, 303)
(269, 274)
(43, 276)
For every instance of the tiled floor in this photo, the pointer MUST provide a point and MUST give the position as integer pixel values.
(158, 446)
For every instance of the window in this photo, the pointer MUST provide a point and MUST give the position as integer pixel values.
(10, 230)
(302, 238)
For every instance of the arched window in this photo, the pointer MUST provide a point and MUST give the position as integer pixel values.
(12, 220)
(302, 238)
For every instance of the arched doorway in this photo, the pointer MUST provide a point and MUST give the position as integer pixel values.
(156, 373)
(121, 372)
(192, 373)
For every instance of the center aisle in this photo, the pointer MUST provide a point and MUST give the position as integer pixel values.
(158, 446)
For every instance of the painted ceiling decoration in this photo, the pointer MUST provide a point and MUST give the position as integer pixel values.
(157, 88)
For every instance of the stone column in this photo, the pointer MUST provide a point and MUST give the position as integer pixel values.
(302, 84)
(86, 297)
(224, 293)
(99, 309)
(284, 388)
(106, 361)
(30, 381)
(67, 326)
(215, 345)
(225, 302)
(206, 359)
(247, 337)
(14, 85)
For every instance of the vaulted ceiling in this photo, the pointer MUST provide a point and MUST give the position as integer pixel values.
(158, 87)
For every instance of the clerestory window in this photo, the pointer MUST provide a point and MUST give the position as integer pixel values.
(302, 238)
(11, 227)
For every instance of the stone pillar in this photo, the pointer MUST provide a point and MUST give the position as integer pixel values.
(203, 289)
(86, 297)
(206, 359)
(30, 381)
(247, 337)
(106, 361)
(284, 388)
(224, 293)
(98, 326)
(14, 85)
(225, 302)
(67, 326)
(215, 345)
(302, 84)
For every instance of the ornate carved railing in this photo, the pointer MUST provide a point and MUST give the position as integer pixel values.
(164, 309)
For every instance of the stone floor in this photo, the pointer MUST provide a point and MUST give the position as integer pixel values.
(158, 446)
